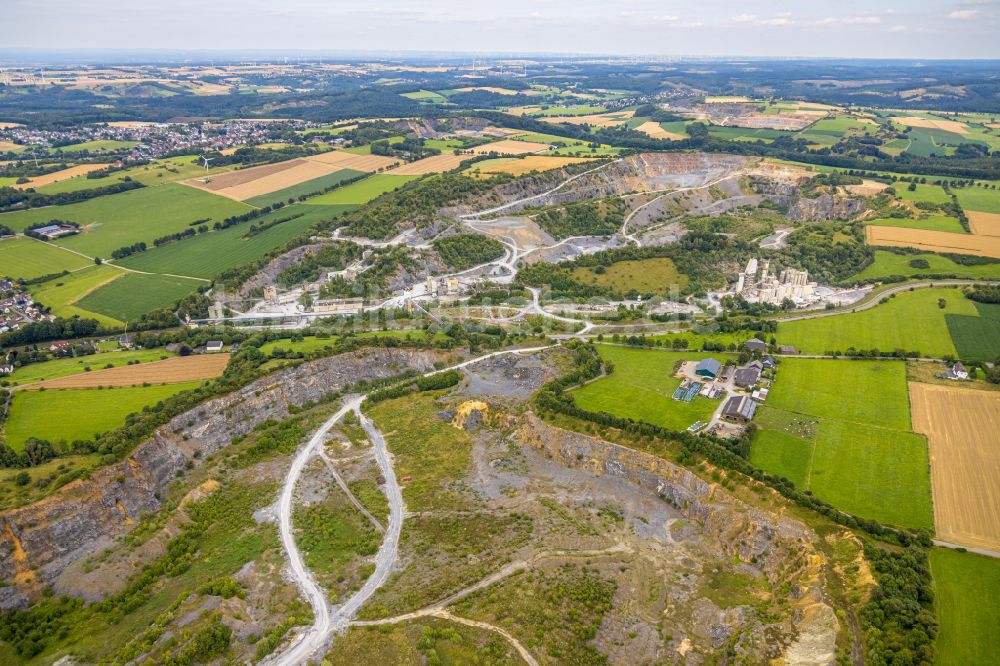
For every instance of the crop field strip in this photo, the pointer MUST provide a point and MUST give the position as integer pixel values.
(889, 263)
(523, 165)
(61, 367)
(961, 426)
(933, 241)
(63, 294)
(434, 164)
(174, 370)
(27, 258)
(62, 174)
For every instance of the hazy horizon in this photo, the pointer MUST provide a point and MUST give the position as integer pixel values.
(887, 29)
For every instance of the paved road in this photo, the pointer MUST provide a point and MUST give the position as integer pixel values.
(875, 298)
(981, 551)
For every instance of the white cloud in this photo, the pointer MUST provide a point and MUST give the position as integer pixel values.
(778, 20)
(898, 28)
(667, 19)
(964, 14)
(744, 18)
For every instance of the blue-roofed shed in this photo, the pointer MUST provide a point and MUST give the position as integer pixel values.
(709, 368)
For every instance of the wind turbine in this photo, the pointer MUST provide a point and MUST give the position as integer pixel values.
(206, 160)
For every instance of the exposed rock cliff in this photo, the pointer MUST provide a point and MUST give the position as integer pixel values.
(40, 540)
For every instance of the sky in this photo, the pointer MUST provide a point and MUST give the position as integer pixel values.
(847, 28)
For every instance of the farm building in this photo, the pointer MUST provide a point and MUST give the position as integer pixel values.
(213, 346)
(747, 376)
(739, 408)
(755, 345)
(788, 349)
(709, 368)
(125, 341)
(957, 372)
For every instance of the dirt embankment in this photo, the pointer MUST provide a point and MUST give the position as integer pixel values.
(37, 542)
(782, 549)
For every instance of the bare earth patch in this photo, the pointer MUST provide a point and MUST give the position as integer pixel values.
(868, 188)
(961, 427)
(655, 131)
(63, 174)
(509, 147)
(946, 125)
(934, 241)
(435, 164)
(170, 371)
(984, 224)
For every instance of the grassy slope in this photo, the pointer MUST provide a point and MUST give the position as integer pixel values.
(911, 321)
(362, 191)
(62, 367)
(207, 255)
(130, 217)
(641, 386)
(968, 603)
(63, 293)
(932, 223)
(890, 263)
(27, 258)
(646, 276)
(977, 198)
(78, 413)
(822, 429)
(135, 294)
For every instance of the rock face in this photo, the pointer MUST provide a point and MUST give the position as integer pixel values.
(269, 274)
(825, 207)
(783, 549)
(37, 542)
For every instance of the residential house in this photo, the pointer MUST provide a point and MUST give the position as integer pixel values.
(755, 345)
(957, 372)
(213, 346)
(768, 362)
(125, 341)
(708, 368)
(62, 345)
(739, 408)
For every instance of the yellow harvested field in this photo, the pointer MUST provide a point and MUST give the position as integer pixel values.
(435, 164)
(595, 120)
(868, 188)
(130, 123)
(723, 99)
(947, 125)
(8, 146)
(9, 125)
(961, 426)
(344, 160)
(519, 167)
(62, 174)
(934, 241)
(654, 131)
(245, 184)
(983, 224)
(170, 371)
(509, 147)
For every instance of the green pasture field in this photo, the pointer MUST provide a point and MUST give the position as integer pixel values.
(911, 321)
(307, 187)
(977, 337)
(444, 145)
(925, 141)
(967, 596)
(655, 276)
(123, 219)
(26, 258)
(362, 191)
(135, 294)
(932, 223)
(979, 198)
(822, 429)
(63, 293)
(696, 340)
(165, 170)
(78, 413)
(426, 96)
(924, 192)
(206, 255)
(676, 126)
(890, 263)
(62, 367)
(640, 388)
(839, 126)
(102, 146)
(842, 389)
